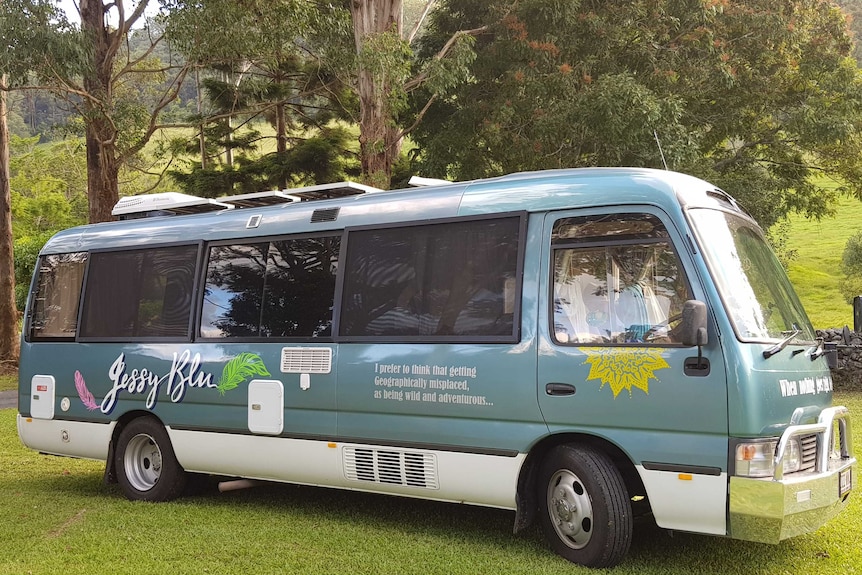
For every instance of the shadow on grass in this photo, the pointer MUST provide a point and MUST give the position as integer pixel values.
(364, 515)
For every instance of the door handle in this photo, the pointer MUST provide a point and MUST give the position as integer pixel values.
(560, 389)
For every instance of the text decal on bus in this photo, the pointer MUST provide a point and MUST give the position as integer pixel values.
(185, 373)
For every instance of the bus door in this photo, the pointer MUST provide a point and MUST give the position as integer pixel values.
(611, 363)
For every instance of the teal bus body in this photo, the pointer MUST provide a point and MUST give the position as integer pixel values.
(511, 408)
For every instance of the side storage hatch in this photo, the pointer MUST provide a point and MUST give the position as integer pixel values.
(265, 406)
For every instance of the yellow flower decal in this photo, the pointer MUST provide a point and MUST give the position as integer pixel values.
(624, 368)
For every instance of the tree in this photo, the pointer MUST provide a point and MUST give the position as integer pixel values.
(94, 71)
(259, 67)
(759, 97)
(386, 72)
(851, 264)
(8, 311)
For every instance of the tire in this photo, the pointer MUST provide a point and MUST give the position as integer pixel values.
(147, 469)
(584, 506)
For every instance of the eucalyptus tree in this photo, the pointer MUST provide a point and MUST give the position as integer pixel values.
(385, 72)
(25, 32)
(758, 96)
(8, 310)
(91, 67)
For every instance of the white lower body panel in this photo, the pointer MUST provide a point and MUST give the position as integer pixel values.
(687, 502)
(71, 438)
(487, 480)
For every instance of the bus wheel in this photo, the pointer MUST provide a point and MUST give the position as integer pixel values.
(147, 468)
(585, 508)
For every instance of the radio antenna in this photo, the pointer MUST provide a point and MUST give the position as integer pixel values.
(663, 163)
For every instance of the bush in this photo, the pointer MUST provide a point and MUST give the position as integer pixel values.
(851, 265)
(26, 252)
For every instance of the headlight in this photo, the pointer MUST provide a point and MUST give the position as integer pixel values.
(757, 459)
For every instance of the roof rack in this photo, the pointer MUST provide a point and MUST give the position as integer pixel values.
(175, 203)
(419, 181)
(328, 191)
(164, 204)
(258, 199)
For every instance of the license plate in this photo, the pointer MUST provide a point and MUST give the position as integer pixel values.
(845, 482)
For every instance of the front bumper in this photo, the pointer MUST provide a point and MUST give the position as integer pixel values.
(774, 508)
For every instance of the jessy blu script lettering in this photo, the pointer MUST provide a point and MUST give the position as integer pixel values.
(185, 373)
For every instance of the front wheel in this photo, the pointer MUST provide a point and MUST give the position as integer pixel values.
(585, 509)
(146, 466)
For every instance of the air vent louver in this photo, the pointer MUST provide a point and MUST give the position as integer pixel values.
(324, 215)
(391, 467)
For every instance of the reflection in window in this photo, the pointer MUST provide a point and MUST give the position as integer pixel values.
(281, 288)
(58, 291)
(629, 293)
(754, 287)
(140, 293)
(450, 279)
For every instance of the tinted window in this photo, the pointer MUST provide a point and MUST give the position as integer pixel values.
(629, 291)
(140, 293)
(448, 279)
(282, 288)
(58, 291)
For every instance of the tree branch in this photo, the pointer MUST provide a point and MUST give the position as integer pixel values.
(420, 79)
(169, 96)
(415, 30)
(419, 117)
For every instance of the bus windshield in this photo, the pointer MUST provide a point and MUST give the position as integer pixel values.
(755, 289)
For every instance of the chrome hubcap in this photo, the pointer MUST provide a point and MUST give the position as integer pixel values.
(570, 509)
(143, 462)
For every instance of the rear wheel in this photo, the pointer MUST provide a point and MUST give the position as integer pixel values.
(146, 466)
(585, 509)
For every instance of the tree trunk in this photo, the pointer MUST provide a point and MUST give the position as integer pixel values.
(202, 138)
(101, 135)
(9, 342)
(379, 144)
(281, 142)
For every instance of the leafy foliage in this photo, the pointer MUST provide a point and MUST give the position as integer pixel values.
(758, 97)
(260, 69)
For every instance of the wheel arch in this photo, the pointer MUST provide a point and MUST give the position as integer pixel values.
(525, 497)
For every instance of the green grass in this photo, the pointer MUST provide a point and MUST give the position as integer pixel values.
(58, 517)
(816, 271)
(8, 381)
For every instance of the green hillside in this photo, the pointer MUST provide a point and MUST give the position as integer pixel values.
(816, 270)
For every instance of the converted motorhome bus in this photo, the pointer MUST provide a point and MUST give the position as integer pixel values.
(576, 346)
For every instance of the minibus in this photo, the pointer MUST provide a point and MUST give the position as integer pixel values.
(580, 346)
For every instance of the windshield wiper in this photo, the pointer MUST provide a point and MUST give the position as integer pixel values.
(782, 344)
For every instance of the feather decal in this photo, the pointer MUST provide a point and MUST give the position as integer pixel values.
(86, 397)
(239, 369)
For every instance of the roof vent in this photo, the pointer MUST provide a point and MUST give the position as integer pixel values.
(324, 215)
(164, 204)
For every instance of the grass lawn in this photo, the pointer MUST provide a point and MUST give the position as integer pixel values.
(816, 271)
(8, 379)
(58, 517)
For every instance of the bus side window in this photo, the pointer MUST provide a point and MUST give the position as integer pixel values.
(57, 295)
(616, 279)
(282, 288)
(140, 293)
(442, 281)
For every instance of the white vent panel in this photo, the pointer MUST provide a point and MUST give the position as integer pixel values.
(391, 467)
(306, 360)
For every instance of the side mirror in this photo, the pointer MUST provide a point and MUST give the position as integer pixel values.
(693, 325)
